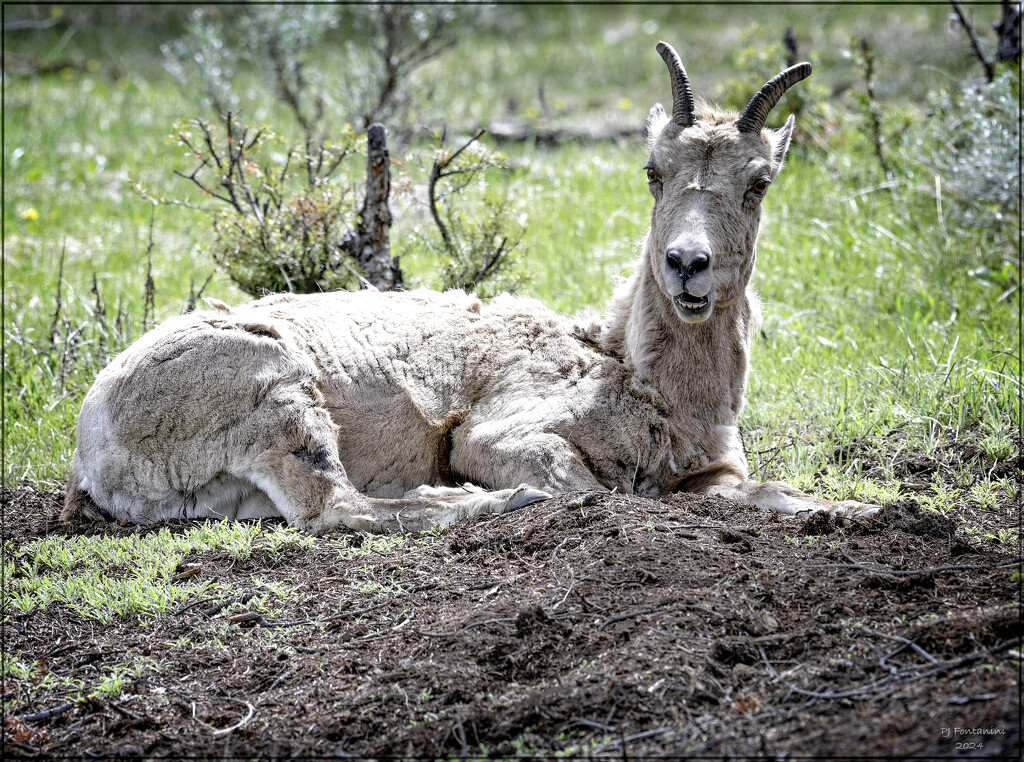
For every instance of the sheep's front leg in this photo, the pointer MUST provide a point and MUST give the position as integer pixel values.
(787, 500)
(294, 461)
(505, 452)
(426, 509)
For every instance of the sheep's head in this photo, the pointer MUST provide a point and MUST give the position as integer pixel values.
(708, 172)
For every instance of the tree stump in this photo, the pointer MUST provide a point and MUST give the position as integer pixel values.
(370, 243)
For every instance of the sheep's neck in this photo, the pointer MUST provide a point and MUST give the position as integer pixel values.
(699, 369)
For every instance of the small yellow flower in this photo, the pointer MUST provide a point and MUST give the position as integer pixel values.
(93, 65)
(30, 214)
(625, 104)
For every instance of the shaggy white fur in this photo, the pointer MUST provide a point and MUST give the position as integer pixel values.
(369, 410)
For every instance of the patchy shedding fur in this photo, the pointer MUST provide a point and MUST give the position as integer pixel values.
(368, 410)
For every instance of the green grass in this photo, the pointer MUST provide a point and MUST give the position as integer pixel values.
(37, 681)
(121, 577)
(872, 323)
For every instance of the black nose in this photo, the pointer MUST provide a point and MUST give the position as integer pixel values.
(698, 264)
(687, 264)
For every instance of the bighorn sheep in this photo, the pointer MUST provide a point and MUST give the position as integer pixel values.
(367, 410)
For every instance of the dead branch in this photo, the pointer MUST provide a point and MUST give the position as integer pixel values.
(58, 303)
(47, 714)
(149, 305)
(425, 634)
(629, 615)
(1008, 29)
(249, 714)
(439, 171)
(281, 678)
(369, 244)
(986, 62)
(905, 641)
(896, 572)
(193, 295)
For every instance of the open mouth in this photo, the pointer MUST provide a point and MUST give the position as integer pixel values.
(690, 302)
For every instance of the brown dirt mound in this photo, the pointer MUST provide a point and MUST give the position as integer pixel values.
(597, 625)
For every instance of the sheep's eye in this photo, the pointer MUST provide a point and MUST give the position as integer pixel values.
(652, 175)
(760, 186)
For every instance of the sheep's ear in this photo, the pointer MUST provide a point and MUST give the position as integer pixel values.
(780, 143)
(656, 122)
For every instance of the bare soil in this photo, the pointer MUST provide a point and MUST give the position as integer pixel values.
(591, 624)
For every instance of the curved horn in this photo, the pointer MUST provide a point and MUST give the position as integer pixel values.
(682, 98)
(756, 113)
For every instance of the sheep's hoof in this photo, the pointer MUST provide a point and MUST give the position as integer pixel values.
(851, 509)
(524, 496)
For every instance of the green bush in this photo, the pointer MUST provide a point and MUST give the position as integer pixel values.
(294, 247)
(762, 57)
(972, 141)
(284, 211)
(476, 239)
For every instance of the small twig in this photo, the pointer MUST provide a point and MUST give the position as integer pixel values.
(705, 609)
(485, 585)
(191, 606)
(241, 722)
(59, 303)
(568, 591)
(155, 684)
(752, 531)
(99, 310)
(48, 713)
(259, 620)
(559, 547)
(425, 634)
(437, 173)
(344, 263)
(193, 295)
(149, 306)
(357, 612)
(869, 688)
(123, 711)
(58, 650)
(896, 572)
(246, 617)
(208, 137)
(905, 641)
(591, 604)
(583, 722)
(629, 615)
(975, 41)
(281, 678)
(217, 608)
(195, 179)
(461, 733)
